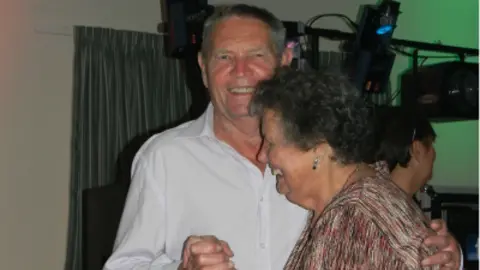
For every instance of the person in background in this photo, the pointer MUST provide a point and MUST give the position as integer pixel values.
(405, 150)
(199, 196)
(406, 145)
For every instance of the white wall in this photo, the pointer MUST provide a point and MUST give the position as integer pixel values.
(36, 50)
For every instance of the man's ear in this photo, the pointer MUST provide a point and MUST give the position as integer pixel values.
(287, 56)
(203, 68)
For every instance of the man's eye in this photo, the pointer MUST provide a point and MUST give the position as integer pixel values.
(223, 57)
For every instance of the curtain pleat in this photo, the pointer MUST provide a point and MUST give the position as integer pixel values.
(123, 87)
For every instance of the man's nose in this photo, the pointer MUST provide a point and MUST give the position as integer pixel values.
(240, 67)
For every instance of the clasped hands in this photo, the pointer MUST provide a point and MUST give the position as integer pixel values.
(210, 253)
(206, 253)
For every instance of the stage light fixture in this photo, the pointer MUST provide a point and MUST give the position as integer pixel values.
(388, 12)
(371, 60)
(376, 26)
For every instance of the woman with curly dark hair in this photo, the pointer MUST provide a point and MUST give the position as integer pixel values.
(317, 132)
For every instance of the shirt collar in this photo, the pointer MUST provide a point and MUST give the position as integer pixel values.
(202, 126)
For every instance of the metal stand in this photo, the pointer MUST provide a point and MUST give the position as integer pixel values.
(315, 33)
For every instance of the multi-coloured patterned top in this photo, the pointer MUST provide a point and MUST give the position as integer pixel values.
(370, 224)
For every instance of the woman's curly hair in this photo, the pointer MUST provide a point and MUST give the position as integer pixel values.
(316, 107)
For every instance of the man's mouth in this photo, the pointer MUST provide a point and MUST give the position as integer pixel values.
(241, 90)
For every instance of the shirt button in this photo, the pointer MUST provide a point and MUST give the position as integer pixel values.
(262, 245)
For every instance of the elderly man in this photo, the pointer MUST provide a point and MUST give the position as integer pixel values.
(203, 177)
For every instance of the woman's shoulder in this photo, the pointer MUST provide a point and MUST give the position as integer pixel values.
(379, 191)
(379, 185)
(372, 190)
(381, 201)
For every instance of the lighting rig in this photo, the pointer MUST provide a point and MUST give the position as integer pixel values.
(446, 91)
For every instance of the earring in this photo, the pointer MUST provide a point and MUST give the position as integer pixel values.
(315, 163)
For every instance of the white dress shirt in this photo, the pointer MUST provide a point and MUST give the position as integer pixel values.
(187, 182)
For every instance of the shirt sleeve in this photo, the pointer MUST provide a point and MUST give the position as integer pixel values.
(353, 240)
(140, 241)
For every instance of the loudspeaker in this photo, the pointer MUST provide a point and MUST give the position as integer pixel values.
(445, 92)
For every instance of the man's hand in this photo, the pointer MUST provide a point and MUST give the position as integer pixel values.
(448, 255)
(206, 253)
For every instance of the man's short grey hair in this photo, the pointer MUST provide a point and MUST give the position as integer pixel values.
(277, 30)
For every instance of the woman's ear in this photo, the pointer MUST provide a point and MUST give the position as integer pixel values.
(417, 152)
(322, 150)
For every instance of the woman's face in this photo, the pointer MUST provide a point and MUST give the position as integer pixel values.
(291, 165)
